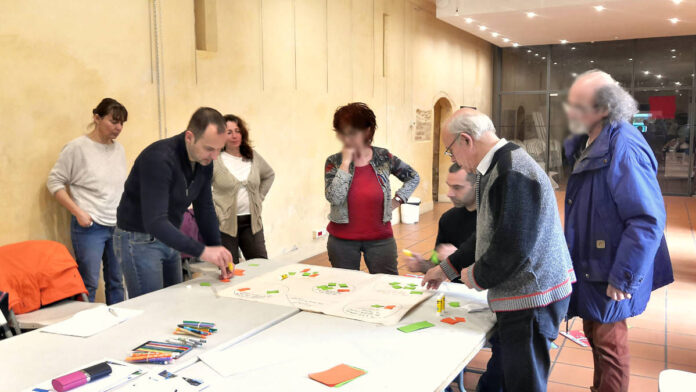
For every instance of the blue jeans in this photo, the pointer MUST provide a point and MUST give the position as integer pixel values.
(94, 245)
(148, 264)
(520, 347)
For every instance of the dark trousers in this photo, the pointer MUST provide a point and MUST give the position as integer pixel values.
(520, 344)
(253, 245)
(380, 255)
(94, 249)
(610, 352)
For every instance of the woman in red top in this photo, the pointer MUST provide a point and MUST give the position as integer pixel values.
(357, 186)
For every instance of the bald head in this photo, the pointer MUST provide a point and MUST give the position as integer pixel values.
(469, 121)
(587, 83)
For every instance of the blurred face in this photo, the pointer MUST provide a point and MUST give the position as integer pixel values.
(460, 191)
(461, 149)
(207, 148)
(352, 138)
(234, 135)
(107, 126)
(581, 110)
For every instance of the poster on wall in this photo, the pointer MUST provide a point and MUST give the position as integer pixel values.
(424, 125)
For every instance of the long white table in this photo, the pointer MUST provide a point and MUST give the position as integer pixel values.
(288, 344)
(281, 357)
(33, 357)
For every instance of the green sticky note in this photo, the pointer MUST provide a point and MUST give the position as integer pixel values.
(272, 291)
(332, 284)
(395, 283)
(416, 326)
(454, 304)
(253, 265)
(205, 284)
(291, 273)
(416, 292)
(396, 287)
(305, 274)
(377, 306)
(325, 287)
(343, 285)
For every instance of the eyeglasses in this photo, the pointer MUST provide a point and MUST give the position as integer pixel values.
(568, 107)
(448, 150)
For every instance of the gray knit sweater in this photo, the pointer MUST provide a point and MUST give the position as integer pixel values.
(521, 256)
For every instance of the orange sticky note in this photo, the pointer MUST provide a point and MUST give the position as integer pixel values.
(337, 375)
(225, 280)
(343, 290)
(244, 289)
(389, 307)
(305, 270)
(449, 320)
(460, 319)
(238, 272)
(313, 275)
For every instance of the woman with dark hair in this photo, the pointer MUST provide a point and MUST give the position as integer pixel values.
(93, 167)
(241, 180)
(356, 183)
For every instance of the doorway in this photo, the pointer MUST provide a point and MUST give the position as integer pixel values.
(441, 112)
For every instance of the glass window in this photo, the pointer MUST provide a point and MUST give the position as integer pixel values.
(664, 62)
(664, 122)
(570, 60)
(524, 68)
(523, 121)
(559, 170)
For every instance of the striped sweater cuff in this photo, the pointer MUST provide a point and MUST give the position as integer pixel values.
(470, 274)
(449, 270)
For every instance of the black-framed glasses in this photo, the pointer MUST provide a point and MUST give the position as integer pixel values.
(448, 150)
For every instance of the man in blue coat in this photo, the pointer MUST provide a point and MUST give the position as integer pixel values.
(614, 222)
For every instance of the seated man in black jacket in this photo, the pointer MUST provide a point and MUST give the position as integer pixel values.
(166, 178)
(458, 224)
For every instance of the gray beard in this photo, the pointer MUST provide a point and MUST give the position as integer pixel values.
(578, 128)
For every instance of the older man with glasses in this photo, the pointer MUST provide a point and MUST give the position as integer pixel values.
(614, 222)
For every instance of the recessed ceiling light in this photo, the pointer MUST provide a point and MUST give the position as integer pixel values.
(646, 72)
(692, 75)
(531, 14)
(555, 63)
(529, 51)
(468, 20)
(630, 59)
(572, 48)
(674, 57)
(574, 74)
(674, 20)
(677, 83)
(536, 54)
(515, 44)
(599, 8)
(592, 61)
(677, 2)
(506, 39)
(543, 58)
(482, 28)
(659, 76)
(673, 50)
(494, 34)
(564, 41)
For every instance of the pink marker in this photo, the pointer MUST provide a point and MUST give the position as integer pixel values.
(81, 377)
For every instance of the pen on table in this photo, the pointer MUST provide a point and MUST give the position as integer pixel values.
(112, 311)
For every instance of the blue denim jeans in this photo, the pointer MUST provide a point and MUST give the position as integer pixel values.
(520, 347)
(148, 264)
(94, 245)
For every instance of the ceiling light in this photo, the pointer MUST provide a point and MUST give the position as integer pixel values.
(529, 51)
(543, 58)
(599, 8)
(494, 34)
(482, 28)
(673, 50)
(674, 20)
(592, 61)
(677, 83)
(506, 39)
(531, 14)
(555, 63)
(677, 2)
(468, 20)
(572, 48)
(536, 54)
(564, 41)
(630, 59)
(659, 76)
(515, 44)
(674, 57)
(646, 72)
(573, 74)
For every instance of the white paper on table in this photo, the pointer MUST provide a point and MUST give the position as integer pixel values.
(354, 294)
(121, 374)
(91, 321)
(240, 358)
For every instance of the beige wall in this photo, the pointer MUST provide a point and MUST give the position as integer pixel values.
(283, 65)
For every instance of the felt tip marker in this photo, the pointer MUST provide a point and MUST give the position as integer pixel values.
(81, 377)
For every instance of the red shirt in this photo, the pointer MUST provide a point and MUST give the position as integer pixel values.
(365, 209)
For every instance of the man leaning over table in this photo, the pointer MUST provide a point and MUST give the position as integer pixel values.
(614, 222)
(519, 255)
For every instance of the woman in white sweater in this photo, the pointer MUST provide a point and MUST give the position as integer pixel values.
(88, 180)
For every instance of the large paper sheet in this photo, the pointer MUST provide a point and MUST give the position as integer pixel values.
(91, 321)
(380, 299)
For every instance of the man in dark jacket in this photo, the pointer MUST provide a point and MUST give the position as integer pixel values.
(167, 177)
(614, 222)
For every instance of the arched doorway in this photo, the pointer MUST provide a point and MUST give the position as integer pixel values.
(441, 112)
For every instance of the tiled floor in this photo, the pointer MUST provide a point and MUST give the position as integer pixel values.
(664, 337)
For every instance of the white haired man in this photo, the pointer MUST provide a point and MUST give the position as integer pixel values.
(520, 254)
(614, 222)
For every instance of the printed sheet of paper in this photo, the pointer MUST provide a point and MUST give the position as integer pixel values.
(380, 299)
